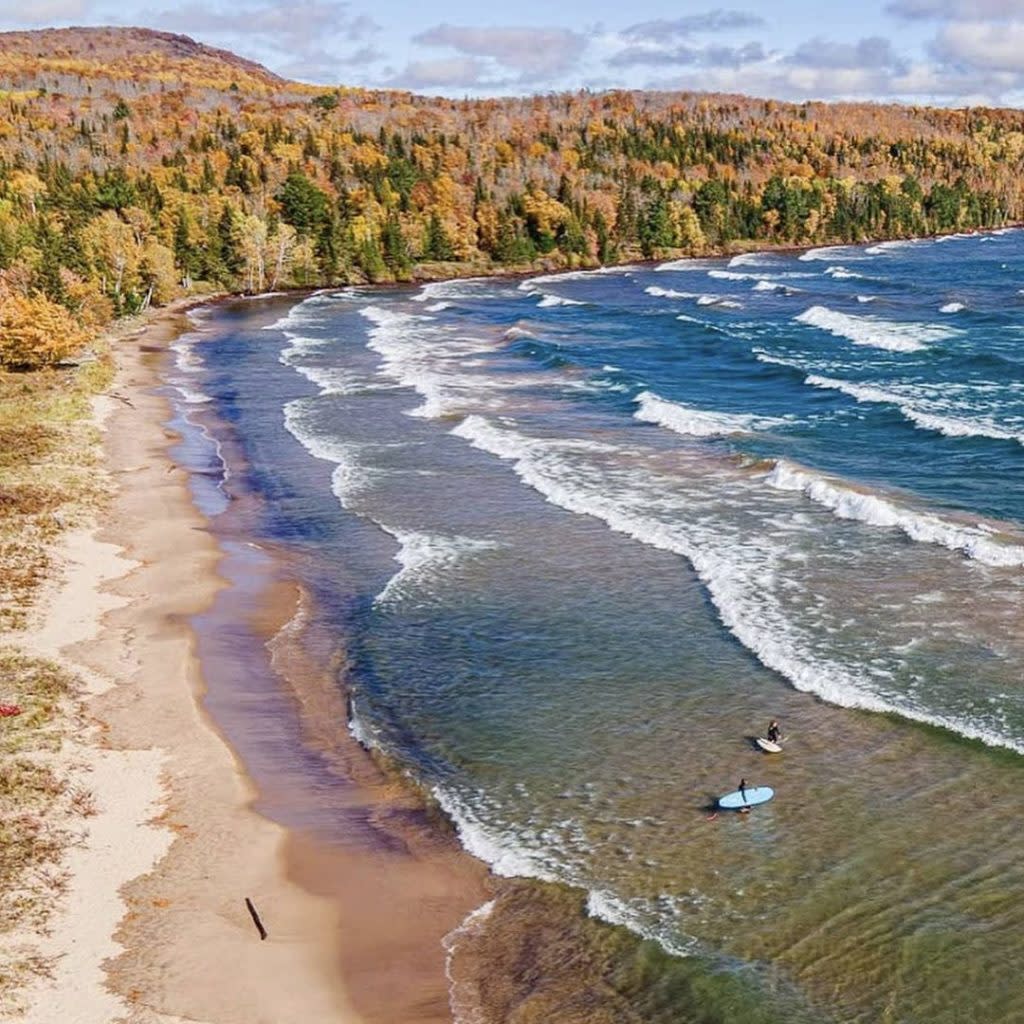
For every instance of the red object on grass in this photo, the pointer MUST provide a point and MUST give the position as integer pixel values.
(7, 710)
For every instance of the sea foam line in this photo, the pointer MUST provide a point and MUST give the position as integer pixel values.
(875, 332)
(951, 426)
(424, 556)
(848, 503)
(688, 420)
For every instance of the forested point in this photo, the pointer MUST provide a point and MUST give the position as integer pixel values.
(137, 166)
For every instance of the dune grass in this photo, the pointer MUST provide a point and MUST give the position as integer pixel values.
(50, 480)
(49, 453)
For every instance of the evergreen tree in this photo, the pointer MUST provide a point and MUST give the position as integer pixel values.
(437, 245)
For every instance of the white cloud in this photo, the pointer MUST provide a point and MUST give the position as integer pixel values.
(443, 73)
(532, 52)
(781, 79)
(865, 54)
(982, 45)
(699, 56)
(293, 27)
(663, 29)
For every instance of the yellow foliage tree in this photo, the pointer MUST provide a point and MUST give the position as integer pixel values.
(34, 331)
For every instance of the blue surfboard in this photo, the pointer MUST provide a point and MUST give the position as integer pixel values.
(755, 795)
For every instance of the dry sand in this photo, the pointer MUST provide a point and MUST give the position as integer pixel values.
(155, 928)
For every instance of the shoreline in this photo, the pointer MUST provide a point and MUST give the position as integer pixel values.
(156, 905)
(172, 805)
(516, 272)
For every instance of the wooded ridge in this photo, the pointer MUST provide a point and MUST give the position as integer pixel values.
(136, 165)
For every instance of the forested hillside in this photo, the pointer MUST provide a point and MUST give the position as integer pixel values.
(136, 165)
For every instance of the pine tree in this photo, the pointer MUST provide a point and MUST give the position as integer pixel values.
(437, 246)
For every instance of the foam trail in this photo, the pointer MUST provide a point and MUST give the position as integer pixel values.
(463, 997)
(874, 332)
(350, 477)
(751, 259)
(422, 558)
(419, 354)
(952, 307)
(456, 288)
(607, 907)
(558, 300)
(530, 284)
(739, 573)
(842, 274)
(832, 252)
(951, 426)
(684, 419)
(669, 293)
(873, 510)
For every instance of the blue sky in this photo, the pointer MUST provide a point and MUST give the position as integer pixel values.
(952, 52)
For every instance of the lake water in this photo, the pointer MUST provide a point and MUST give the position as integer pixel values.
(584, 535)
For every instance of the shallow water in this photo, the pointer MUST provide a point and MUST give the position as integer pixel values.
(584, 535)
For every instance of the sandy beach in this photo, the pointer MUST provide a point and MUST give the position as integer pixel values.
(155, 926)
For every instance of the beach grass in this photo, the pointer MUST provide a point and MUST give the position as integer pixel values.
(49, 453)
(49, 482)
(41, 810)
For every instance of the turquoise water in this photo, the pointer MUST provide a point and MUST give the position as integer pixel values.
(584, 535)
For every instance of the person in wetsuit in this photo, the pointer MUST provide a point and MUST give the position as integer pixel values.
(774, 732)
(743, 790)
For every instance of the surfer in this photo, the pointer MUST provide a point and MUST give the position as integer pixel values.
(743, 791)
(774, 732)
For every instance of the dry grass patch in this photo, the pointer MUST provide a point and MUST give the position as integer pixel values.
(49, 453)
(49, 481)
(40, 810)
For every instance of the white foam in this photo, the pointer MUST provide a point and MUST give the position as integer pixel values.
(423, 558)
(419, 353)
(456, 288)
(515, 333)
(927, 418)
(952, 307)
(895, 245)
(335, 380)
(684, 264)
(505, 858)
(558, 300)
(190, 396)
(606, 906)
(832, 252)
(740, 571)
(685, 419)
(464, 998)
(769, 286)
(751, 259)
(530, 284)
(847, 503)
(732, 275)
(187, 358)
(669, 293)
(350, 477)
(873, 331)
(866, 298)
(842, 274)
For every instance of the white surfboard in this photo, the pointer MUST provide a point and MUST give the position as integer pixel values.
(767, 746)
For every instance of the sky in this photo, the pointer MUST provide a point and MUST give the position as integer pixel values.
(948, 52)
